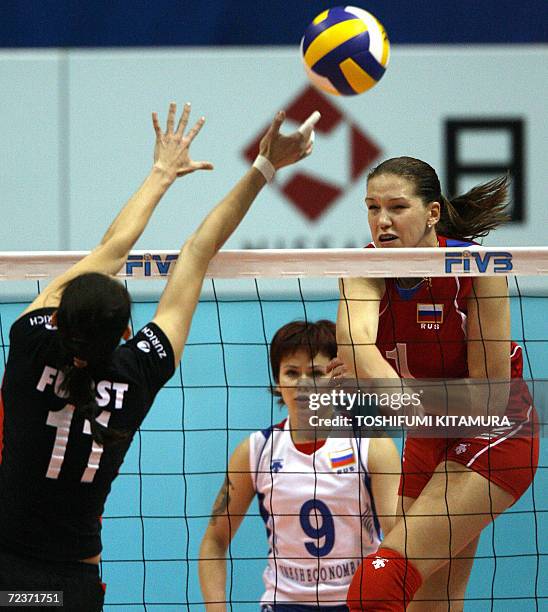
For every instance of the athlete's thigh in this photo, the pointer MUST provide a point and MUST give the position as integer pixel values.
(448, 583)
(450, 512)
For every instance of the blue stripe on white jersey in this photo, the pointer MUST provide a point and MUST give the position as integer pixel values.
(367, 482)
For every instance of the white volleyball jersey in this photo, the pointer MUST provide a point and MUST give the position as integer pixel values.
(319, 515)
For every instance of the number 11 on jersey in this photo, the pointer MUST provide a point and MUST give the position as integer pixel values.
(61, 420)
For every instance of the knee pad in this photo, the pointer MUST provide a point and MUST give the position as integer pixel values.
(385, 582)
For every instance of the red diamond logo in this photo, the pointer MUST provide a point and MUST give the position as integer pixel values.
(310, 195)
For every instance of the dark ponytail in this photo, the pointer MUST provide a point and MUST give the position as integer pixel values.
(475, 213)
(79, 387)
(464, 217)
(92, 317)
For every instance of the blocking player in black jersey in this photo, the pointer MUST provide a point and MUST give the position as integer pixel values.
(73, 397)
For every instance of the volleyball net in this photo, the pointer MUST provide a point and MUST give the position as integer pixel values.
(160, 505)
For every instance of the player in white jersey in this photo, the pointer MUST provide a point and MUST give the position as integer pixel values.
(323, 499)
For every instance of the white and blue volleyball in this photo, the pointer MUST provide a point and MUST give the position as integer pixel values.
(345, 51)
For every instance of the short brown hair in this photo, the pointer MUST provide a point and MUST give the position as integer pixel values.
(315, 338)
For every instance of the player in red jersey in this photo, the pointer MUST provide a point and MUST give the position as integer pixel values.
(73, 398)
(450, 489)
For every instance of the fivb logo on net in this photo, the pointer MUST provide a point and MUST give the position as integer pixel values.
(139, 266)
(498, 262)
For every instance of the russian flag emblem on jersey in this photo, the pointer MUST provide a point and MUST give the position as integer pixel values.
(429, 313)
(342, 458)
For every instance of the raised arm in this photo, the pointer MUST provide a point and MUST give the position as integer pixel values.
(357, 325)
(228, 511)
(171, 160)
(179, 299)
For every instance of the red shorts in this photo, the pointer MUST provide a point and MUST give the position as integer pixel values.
(509, 460)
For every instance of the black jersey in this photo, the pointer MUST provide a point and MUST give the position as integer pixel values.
(54, 479)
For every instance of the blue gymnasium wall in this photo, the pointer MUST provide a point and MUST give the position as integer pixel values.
(159, 506)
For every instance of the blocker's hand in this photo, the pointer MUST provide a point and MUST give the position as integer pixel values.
(171, 151)
(283, 150)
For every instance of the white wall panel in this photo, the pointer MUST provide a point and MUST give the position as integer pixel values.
(31, 142)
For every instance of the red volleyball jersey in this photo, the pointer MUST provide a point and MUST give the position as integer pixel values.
(422, 331)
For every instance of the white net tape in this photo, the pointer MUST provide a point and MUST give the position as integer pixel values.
(301, 263)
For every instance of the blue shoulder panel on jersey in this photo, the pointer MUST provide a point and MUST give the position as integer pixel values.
(459, 243)
(407, 294)
(268, 430)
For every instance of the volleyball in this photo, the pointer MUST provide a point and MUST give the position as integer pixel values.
(345, 51)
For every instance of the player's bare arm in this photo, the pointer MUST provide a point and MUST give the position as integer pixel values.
(171, 160)
(357, 324)
(229, 509)
(180, 297)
